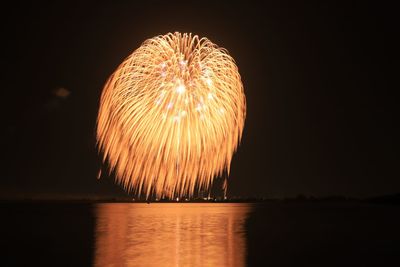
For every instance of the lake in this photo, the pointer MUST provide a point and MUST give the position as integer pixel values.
(199, 234)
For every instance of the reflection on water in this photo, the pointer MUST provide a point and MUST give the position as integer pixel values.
(169, 234)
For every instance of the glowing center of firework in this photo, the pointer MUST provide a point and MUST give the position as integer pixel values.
(181, 89)
(171, 116)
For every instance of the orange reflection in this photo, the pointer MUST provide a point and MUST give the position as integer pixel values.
(166, 234)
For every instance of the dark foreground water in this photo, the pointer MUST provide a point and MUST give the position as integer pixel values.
(189, 234)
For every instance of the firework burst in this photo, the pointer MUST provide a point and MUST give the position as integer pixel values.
(171, 116)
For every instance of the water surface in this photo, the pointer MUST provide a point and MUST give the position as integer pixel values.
(189, 234)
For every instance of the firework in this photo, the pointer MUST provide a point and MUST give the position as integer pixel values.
(171, 116)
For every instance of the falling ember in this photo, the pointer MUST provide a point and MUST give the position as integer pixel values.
(225, 187)
(171, 116)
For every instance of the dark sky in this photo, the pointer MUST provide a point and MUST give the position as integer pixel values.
(318, 79)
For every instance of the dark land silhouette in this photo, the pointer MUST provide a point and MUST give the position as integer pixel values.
(390, 199)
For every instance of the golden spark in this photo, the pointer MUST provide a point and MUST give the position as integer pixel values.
(171, 116)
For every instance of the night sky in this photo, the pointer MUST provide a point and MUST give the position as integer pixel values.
(318, 79)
